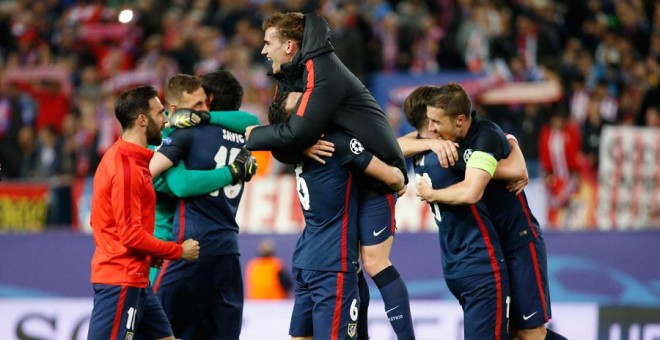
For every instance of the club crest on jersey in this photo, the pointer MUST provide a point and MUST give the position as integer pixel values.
(233, 136)
(129, 336)
(352, 329)
(166, 141)
(356, 146)
(467, 154)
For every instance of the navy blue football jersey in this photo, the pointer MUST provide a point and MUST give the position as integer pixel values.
(329, 200)
(211, 218)
(468, 239)
(511, 214)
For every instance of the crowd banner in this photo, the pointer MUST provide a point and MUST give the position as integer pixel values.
(23, 206)
(629, 178)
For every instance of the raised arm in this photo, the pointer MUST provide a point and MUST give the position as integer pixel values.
(235, 121)
(446, 150)
(512, 168)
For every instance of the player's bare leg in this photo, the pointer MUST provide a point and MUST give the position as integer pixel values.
(302, 338)
(537, 333)
(377, 257)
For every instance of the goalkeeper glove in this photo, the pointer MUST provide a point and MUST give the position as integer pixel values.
(251, 168)
(239, 168)
(185, 118)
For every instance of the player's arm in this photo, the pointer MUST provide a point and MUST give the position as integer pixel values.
(173, 150)
(479, 171)
(235, 121)
(372, 166)
(512, 168)
(322, 95)
(181, 182)
(446, 150)
(128, 211)
(390, 175)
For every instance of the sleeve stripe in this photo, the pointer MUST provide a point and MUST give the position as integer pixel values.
(484, 161)
(127, 189)
(308, 90)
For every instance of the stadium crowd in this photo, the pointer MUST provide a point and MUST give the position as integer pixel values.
(62, 64)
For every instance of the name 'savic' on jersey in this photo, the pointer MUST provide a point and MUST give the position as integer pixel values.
(211, 218)
(468, 239)
(510, 212)
(328, 198)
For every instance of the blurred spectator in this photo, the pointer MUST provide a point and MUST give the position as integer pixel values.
(591, 129)
(266, 277)
(558, 141)
(532, 121)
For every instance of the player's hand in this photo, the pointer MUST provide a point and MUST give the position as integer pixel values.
(518, 186)
(424, 190)
(190, 250)
(446, 150)
(322, 148)
(185, 118)
(402, 191)
(251, 168)
(241, 166)
(157, 262)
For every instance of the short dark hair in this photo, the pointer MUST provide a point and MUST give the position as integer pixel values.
(277, 111)
(226, 90)
(414, 107)
(132, 103)
(451, 98)
(290, 25)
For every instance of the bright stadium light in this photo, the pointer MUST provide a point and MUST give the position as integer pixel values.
(125, 16)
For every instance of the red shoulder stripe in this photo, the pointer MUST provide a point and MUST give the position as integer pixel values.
(308, 90)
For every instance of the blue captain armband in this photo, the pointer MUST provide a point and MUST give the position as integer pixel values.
(484, 161)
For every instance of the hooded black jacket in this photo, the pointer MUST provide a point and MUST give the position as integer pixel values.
(332, 98)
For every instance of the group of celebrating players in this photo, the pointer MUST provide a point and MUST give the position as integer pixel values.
(350, 169)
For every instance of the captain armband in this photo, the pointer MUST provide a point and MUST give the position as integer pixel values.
(482, 160)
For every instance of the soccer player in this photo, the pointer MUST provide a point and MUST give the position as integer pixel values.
(303, 61)
(122, 219)
(325, 260)
(450, 116)
(205, 300)
(179, 182)
(472, 258)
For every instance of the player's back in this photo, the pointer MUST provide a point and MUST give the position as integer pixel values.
(510, 213)
(328, 197)
(468, 239)
(210, 218)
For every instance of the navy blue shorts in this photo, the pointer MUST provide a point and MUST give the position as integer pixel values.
(376, 219)
(326, 305)
(203, 299)
(123, 312)
(530, 295)
(485, 302)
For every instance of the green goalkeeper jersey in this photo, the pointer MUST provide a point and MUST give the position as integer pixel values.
(180, 182)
